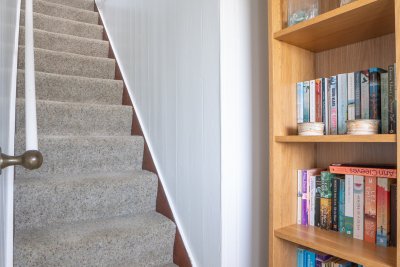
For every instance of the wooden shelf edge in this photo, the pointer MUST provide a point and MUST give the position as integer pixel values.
(376, 138)
(338, 245)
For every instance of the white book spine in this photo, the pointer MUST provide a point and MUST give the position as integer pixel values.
(312, 101)
(312, 200)
(351, 113)
(300, 107)
(358, 231)
(299, 194)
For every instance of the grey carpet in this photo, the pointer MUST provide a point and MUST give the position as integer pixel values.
(90, 204)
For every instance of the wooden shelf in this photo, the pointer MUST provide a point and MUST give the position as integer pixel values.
(338, 245)
(357, 21)
(376, 138)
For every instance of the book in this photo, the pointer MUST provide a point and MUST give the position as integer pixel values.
(348, 206)
(312, 200)
(310, 258)
(299, 98)
(300, 257)
(304, 214)
(370, 210)
(375, 93)
(385, 102)
(299, 195)
(387, 172)
(342, 188)
(351, 97)
(312, 101)
(392, 99)
(335, 203)
(333, 108)
(358, 224)
(365, 94)
(326, 200)
(357, 93)
(310, 173)
(318, 100)
(342, 103)
(306, 101)
(383, 211)
(317, 217)
(325, 104)
(393, 215)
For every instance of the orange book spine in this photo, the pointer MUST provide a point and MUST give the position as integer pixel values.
(370, 210)
(363, 171)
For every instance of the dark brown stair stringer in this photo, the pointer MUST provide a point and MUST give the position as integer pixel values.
(180, 255)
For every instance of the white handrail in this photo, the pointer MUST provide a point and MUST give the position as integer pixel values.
(30, 91)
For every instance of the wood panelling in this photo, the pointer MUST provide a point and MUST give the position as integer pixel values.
(180, 255)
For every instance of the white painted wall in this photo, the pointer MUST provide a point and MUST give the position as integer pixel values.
(9, 17)
(169, 55)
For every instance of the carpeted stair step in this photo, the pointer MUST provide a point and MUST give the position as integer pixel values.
(44, 201)
(66, 88)
(63, 11)
(64, 26)
(82, 4)
(69, 155)
(70, 64)
(63, 118)
(144, 240)
(67, 43)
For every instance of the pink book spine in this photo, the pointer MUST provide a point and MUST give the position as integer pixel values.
(370, 210)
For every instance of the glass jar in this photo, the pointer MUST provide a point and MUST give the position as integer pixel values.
(301, 10)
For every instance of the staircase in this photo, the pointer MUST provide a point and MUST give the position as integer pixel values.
(90, 204)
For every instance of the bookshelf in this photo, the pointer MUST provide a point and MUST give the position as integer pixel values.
(296, 54)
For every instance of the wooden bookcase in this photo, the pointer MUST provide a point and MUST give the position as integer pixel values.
(357, 36)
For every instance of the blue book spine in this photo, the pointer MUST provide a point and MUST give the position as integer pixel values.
(300, 257)
(385, 102)
(306, 101)
(342, 103)
(304, 199)
(365, 94)
(333, 107)
(357, 92)
(300, 99)
(311, 259)
(375, 93)
(342, 227)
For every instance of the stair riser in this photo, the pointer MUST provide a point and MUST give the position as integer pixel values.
(73, 89)
(43, 203)
(82, 4)
(68, 156)
(62, 11)
(64, 26)
(71, 119)
(70, 64)
(67, 43)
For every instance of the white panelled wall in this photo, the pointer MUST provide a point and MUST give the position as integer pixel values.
(9, 17)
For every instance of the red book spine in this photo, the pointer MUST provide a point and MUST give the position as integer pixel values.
(318, 100)
(364, 171)
(370, 210)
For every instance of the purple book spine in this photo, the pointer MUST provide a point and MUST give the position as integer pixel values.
(304, 214)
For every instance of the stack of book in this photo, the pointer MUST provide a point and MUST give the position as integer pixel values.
(366, 94)
(359, 201)
(307, 258)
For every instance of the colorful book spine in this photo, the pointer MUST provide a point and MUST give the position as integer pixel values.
(393, 215)
(357, 93)
(333, 108)
(383, 211)
(335, 203)
(342, 188)
(375, 93)
(312, 200)
(326, 200)
(370, 210)
(364, 171)
(342, 104)
(392, 99)
(318, 100)
(304, 215)
(312, 101)
(310, 259)
(385, 102)
(306, 101)
(358, 189)
(365, 94)
(299, 195)
(325, 103)
(300, 257)
(351, 97)
(348, 206)
(317, 217)
(300, 99)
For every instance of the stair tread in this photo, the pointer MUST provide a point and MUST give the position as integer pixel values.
(144, 238)
(67, 43)
(65, 26)
(67, 88)
(82, 4)
(64, 11)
